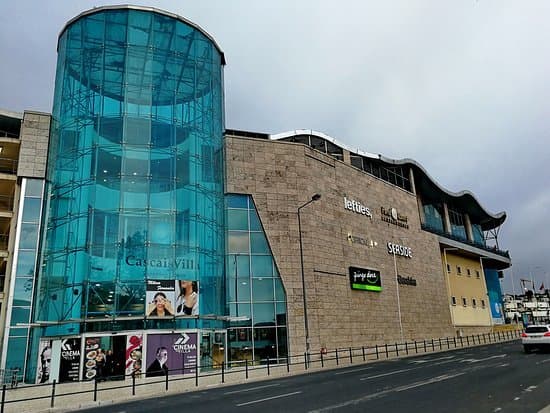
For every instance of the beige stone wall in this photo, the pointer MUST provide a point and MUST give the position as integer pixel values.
(35, 131)
(282, 176)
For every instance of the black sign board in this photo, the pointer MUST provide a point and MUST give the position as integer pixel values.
(69, 366)
(365, 279)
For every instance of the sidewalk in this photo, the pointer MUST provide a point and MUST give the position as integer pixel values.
(74, 396)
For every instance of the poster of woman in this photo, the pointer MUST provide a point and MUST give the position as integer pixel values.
(187, 297)
(160, 295)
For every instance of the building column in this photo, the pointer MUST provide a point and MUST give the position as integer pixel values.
(468, 226)
(446, 219)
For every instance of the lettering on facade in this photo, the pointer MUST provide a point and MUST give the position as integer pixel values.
(357, 207)
(365, 279)
(396, 249)
(406, 280)
(178, 263)
(392, 216)
(354, 239)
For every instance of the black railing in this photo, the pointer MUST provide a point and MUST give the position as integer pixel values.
(463, 240)
(325, 358)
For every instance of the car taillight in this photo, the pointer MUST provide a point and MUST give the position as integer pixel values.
(524, 334)
(547, 334)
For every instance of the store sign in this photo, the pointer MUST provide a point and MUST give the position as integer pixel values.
(354, 239)
(406, 280)
(69, 366)
(365, 279)
(391, 216)
(357, 207)
(396, 249)
(177, 264)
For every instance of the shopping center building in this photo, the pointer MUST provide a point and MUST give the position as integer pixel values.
(161, 231)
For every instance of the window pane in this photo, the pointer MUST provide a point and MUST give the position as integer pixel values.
(238, 242)
(237, 219)
(258, 243)
(242, 270)
(281, 313)
(255, 224)
(262, 266)
(31, 209)
(264, 314)
(262, 289)
(34, 188)
(238, 289)
(279, 291)
(237, 201)
(29, 236)
(20, 315)
(22, 292)
(25, 263)
(16, 353)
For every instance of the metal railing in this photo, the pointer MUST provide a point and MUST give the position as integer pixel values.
(133, 384)
(480, 245)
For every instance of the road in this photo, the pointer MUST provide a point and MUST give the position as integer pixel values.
(492, 378)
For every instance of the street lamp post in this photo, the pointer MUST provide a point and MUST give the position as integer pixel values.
(314, 198)
(398, 299)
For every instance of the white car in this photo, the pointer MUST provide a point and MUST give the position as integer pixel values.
(536, 337)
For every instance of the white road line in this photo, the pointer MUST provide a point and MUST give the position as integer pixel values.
(386, 374)
(382, 393)
(428, 381)
(352, 371)
(268, 398)
(250, 389)
(543, 361)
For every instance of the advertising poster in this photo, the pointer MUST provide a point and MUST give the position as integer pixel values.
(365, 279)
(171, 354)
(69, 366)
(91, 350)
(160, 296)
(187, 297)
(44, 363)
(134, 353)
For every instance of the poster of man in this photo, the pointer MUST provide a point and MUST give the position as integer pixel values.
(44, 361)
(187, 297)
(171, 354)
(160, 295)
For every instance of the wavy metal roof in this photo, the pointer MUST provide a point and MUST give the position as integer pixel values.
(425, 184)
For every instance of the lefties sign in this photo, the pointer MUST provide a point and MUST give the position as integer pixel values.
(357, 207)
(365, 279)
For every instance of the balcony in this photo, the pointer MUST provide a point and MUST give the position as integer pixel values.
(8, 166)
(479, 245)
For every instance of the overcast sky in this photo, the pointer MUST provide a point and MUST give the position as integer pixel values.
(460, 86)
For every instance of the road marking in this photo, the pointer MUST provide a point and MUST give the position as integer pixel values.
(352, 371)
(385, 374)
(251, 388)
(543, 361)
(382, 393)
(530, 388)
(268, 398)
(429, 359)
(428, 381)
(485, 359)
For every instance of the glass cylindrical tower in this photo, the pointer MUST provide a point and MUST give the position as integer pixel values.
(135, 175)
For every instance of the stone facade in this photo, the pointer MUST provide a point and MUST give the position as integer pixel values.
(33, 153)
(281, 176)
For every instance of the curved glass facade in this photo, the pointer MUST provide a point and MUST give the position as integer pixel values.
(135, 177)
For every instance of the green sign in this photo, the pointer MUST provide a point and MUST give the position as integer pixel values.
(365, 279)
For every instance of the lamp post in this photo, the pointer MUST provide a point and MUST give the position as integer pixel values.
(397, 290)
(314, 198)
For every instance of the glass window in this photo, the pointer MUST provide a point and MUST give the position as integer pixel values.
(279, 290)
(258, 243)
(255, 224)
(238, 289)
(280, 312)
(262, 289)
(22, 292)
(262, 266)
(243, 266)
(19, 332)
(34, 188)
(238, 242)
(16, 353)
(20, 315)
(236, 201)
(31, 209)
(264, 314)
(237, 219)
(29, 236)
(240, 310)
(25, 263)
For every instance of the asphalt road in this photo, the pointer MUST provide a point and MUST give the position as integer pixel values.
(492, 378)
